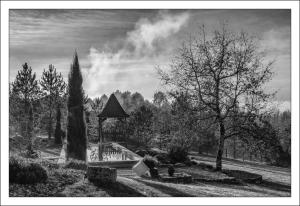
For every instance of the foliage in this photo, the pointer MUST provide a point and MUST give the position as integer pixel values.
(53, 86)
(25, 173)
(25, 90)
(159, 99)
(76, 164)
(141, 124)
(177, 153)
(261, 135)
(76, 126)
(171, 171)
(58, 131)
(25, 85)
(150, 161)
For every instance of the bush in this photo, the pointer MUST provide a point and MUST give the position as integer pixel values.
(150, 161)
(171, 171)
(76, 164)
(141, 153)
(178, 153)
(163, 158)
(23, 172)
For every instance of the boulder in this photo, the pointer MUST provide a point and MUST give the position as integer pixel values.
(101, 175)
(140, 168)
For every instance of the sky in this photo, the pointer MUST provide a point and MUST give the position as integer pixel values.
(120, 49)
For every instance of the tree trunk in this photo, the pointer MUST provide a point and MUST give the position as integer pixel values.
(221, 147)
(50, 120)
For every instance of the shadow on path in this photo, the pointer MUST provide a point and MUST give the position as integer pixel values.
(165, 189)
(275, 186)
(118, 189)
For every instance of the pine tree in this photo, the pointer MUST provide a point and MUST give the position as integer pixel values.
(53, 87)
(58, 126)
(25, 88)
(76, 126)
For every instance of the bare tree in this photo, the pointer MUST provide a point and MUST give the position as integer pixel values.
(219, 74)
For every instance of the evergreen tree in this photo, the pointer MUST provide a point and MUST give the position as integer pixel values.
(25, 89)
(76, 126)
(53, 86)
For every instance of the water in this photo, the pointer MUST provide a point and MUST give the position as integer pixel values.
(109, 153)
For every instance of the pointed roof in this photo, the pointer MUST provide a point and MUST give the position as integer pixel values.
(113, 108)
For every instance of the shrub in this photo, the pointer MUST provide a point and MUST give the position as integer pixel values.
(141, 153)
(171, 171)
(23, 172)
(178, 153)
(76, 164)
(150, 161)
(163, 158)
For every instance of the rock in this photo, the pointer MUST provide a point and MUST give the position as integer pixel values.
(101, 175)
(179, 164)
(140, 168)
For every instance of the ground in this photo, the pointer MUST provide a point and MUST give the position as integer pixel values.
(70, 182)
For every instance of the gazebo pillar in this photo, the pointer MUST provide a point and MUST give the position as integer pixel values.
(101, 139)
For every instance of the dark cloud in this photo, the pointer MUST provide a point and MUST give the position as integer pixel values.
(42, 37)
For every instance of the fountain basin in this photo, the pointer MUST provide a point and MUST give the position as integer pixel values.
(112, 155)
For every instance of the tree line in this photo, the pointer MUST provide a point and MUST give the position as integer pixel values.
(214, 103)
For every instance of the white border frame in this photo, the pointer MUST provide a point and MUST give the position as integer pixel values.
(294, 6)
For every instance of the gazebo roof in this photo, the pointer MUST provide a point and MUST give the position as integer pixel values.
(113, 108)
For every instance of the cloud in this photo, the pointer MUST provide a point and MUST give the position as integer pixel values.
(146, 33)
(134, 60)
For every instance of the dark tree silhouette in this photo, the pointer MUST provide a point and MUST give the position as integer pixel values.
(76, 126)
(53, 87)
(58, 132)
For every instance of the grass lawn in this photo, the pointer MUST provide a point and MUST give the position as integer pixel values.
(72, 183)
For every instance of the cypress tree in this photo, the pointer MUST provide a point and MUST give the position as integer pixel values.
(58, 132)
(76, 126)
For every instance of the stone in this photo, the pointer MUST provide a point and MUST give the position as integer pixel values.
(140, 168)
(101, 175)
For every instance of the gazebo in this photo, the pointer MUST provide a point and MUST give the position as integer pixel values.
(112, 109)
